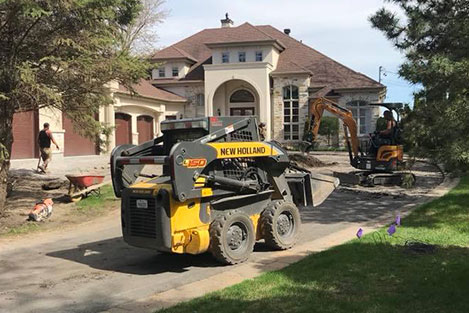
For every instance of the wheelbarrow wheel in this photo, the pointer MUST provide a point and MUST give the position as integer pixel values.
(75, 198)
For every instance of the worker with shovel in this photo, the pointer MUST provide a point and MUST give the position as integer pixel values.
(44, 139)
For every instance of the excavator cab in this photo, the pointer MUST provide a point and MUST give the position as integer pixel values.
(387, 152)
(395, 108)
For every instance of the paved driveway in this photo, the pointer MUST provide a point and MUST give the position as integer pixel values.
(90, 268)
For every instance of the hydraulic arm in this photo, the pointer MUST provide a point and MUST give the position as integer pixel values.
(350, 126)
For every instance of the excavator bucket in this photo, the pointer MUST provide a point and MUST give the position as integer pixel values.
(310, 188)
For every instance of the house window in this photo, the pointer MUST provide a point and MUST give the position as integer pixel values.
(225, 57)
(291, 121)
(170, 117)
(199, 105)
(360, 110)
(161, 72)
(242, 96)
(242, 56)
(175, 71)
(259, 56)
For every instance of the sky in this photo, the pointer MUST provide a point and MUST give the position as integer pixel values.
(338, 28)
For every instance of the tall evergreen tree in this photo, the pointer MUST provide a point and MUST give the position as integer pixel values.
(434, 36)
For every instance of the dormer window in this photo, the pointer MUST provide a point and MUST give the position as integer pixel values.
(161, 72)
(225, 57)
(242, 56)
(175, 71)
(259, 56)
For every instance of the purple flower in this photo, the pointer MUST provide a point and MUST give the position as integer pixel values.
(391, 229)
(398, 220)
(359, 233)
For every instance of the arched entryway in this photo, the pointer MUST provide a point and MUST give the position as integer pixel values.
(242, 103)
(234, 98)
(123, 129)
(145, 128)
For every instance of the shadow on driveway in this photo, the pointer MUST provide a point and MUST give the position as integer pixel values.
(117, 256)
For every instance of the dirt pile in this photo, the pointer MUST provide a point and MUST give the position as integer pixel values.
(307, 160)
(26, 189)
(27, 185)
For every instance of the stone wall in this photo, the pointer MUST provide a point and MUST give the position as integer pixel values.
(302, 82)
(191, 108)
(190, 93)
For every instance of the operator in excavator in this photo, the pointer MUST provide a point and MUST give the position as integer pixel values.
(384, 137)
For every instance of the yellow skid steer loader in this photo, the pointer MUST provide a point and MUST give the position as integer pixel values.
(220, 190)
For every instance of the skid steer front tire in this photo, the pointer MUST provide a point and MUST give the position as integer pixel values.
(232, 237)
(280, 225)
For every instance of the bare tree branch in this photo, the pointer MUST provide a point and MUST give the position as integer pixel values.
(140, 37)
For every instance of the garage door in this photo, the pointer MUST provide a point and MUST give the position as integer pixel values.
(123, 129)
(74, 143)
(25, 130)
(144, 128)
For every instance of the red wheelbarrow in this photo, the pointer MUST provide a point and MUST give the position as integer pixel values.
(82, 185)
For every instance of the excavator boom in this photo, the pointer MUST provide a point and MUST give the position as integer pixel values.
(350, 126)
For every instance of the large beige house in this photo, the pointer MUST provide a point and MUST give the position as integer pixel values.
(262, 71)
(134, 117)
(243, 70)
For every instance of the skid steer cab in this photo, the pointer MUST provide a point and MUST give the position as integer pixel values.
(220, 190)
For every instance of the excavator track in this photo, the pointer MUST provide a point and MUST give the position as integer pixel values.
(369, 179)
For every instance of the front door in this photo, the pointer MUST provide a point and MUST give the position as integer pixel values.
(241, 111)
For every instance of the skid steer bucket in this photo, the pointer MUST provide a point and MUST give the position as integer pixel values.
(309, 188)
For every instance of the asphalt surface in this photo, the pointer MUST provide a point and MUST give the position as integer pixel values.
(90, 269)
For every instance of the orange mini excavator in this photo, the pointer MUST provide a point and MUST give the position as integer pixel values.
(378, 165)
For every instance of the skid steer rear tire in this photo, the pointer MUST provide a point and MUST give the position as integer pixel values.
(232, 237)
(280, 225)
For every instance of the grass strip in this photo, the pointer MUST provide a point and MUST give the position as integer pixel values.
(377, 273)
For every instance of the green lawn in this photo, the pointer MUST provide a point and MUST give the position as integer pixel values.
(96, 204)
(375, 274)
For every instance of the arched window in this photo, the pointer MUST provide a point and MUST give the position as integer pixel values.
(360, 111)
(199, 105)
(291, 121)
(242, 96)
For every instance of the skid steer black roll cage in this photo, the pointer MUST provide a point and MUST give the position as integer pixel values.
(198, 154)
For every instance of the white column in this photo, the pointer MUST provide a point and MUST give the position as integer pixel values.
(110, 120)
(134, 129)
(265, 107)
(208, 98)
(159, 118)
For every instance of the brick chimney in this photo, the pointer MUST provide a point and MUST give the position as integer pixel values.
(227, 22)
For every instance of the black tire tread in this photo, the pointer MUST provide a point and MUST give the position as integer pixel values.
(269, 231)
(216, 239)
